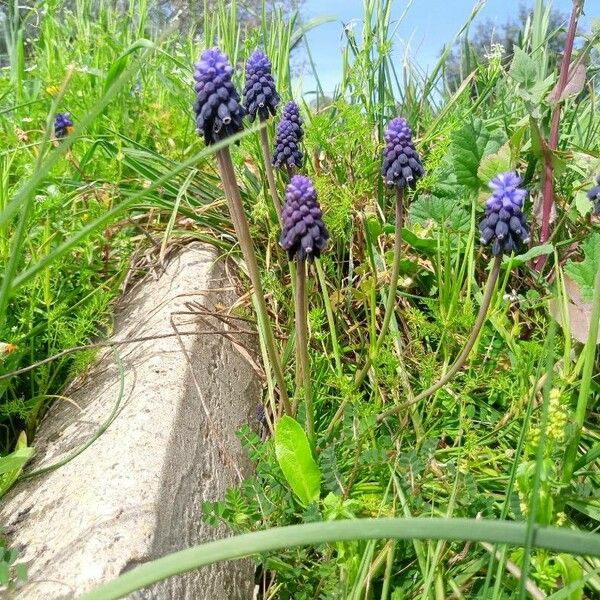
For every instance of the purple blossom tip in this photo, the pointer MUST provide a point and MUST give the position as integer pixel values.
(288, 136)
(260, 95)
(504, 225)
(304, 234)
(63, 125)
(401, 162)
(218, 110)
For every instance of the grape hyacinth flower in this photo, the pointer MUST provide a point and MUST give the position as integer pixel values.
(63, 125)
(261, 98)
(401, 163)
(504, 225)
(218, 110)
(289, 133)
(291, 113)
(260, 95)
(594, 195)
(304, 234)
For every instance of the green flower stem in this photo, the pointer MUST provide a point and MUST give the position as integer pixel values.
(586, 382)
(242, 230)
(266, 151)
(391, 299)
(460, 361)
(478, 530)
(303, 365)
(291, 171)
(389, 306)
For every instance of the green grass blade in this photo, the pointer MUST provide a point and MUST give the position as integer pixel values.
(502, 532)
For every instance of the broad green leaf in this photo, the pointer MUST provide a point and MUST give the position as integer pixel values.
(583, 272)
(523, 68)
(296, 460)
(468, 148)
(445, 212)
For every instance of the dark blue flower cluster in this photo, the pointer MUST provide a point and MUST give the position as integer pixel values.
(504, 225)
(287, 141)
(304, 234)
(594, 195)
(63, 125)
(218, 110)
(401, 163)
(260, 95)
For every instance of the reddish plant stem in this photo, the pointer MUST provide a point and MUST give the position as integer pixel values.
(548, 194)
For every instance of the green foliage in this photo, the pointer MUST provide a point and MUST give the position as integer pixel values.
(469, 145)
(584, 271)
(11, 571)
(131, 181)
(295, 459)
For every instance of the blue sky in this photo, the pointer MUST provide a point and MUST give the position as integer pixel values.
(427, 26)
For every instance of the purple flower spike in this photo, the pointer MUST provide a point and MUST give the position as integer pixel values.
(287, 140)
(217, 107)
(504, 225)
(304, 234)
(63, 125)
(291, 113)
(260, 95)
(401, 163)
(594, 195)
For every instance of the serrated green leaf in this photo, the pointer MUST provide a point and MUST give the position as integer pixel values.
(445, 212)
(468, 147)
(296, 460)
(583, 272)
(523, 68)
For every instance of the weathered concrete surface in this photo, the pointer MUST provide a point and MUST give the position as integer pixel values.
(136, 492)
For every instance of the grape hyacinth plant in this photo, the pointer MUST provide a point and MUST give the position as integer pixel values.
(287, 141)
(261, 99)
(401, 167)
(505, 228)
(219, 115)
(594, 195)
(63, 125)
(304, 236)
